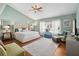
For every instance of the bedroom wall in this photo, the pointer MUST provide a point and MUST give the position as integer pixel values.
(2, 6)
(77, 19)
(15, 16)
(62, 18)
(1, 10)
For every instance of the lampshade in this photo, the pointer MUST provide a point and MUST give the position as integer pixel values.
(6, 27)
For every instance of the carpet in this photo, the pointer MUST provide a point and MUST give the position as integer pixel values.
(41, 47)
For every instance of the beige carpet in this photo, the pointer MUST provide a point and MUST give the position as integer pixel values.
(41, 47)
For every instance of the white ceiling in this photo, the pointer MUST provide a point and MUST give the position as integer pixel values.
(49, 9)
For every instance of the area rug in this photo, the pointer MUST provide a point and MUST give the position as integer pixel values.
(41, 47)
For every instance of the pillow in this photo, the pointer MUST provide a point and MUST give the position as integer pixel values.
(1, 43)
(16, 30)
(24, 30)
(20, 29)
(2, 51)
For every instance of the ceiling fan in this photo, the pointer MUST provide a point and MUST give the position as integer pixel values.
(36, 8)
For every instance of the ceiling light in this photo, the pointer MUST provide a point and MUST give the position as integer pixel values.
(36, 8)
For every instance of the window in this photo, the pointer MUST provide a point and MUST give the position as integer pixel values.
(54, 26)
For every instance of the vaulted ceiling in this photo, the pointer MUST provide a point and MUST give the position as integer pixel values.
(1, 7)
(49, 9)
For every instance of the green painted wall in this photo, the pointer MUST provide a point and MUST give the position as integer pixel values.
(77, 18)
(11, 14)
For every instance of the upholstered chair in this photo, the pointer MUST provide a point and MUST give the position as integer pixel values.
(11, 49)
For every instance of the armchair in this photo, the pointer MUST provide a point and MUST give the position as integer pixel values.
(11, 49)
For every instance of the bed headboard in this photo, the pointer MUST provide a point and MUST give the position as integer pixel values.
(21, 26)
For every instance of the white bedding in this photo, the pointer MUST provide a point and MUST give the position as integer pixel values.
(26, 36)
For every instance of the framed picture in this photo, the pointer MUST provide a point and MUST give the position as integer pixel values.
(67, 23)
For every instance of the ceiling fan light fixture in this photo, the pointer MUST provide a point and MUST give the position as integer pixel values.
(36, 8)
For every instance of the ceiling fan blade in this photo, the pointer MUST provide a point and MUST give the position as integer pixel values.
(36, 6)
(39, 10)
(33, 7)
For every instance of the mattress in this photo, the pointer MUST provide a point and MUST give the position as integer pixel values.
(26, 36)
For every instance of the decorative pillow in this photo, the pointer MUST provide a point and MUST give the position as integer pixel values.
(16, 30)
(2, 51)
(1, 43)
(20, 29)
(24, 30)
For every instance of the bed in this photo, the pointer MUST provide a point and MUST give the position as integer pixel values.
(26, 36)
